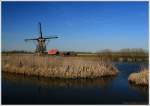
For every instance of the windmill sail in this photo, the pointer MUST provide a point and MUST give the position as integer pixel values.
(40, 30)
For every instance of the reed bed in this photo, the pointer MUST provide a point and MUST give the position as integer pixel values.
(140, 78)
(57, 67)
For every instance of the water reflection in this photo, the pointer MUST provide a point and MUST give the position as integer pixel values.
(53, 82)
(139, 88)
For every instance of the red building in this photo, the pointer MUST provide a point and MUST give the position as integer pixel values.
(53, 51)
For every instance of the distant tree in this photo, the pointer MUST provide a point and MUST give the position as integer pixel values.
(131, 50)
(105, 55)
(16, 51)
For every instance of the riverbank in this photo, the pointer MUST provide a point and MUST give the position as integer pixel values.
(57, 67)
(57, 82)
(140, 78)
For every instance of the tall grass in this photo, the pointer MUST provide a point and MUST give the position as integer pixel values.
(65, 67)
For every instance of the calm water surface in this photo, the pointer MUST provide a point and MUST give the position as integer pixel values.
(18, 89)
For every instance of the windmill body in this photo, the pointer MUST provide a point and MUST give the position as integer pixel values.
(41, 46)
(41, 42)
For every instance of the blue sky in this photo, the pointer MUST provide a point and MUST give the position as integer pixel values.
(82, 26)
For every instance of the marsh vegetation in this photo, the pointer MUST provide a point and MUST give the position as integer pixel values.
(57, 66)
(140, 78)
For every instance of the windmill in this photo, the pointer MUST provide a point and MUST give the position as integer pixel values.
(41, 42)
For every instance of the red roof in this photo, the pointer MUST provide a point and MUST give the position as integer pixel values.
(53, 51)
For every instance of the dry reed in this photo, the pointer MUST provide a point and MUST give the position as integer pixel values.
(140, 78)
(63, 67)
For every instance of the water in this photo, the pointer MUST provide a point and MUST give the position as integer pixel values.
(18, 89)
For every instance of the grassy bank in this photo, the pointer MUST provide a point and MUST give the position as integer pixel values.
(140, 78)
(59, 67)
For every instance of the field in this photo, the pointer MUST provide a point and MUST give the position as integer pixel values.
(57, 66)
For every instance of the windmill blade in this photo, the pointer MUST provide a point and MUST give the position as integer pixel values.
(40, 27)
(51, 37)
(30, 39)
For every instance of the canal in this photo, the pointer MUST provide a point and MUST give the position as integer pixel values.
(19, 89)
